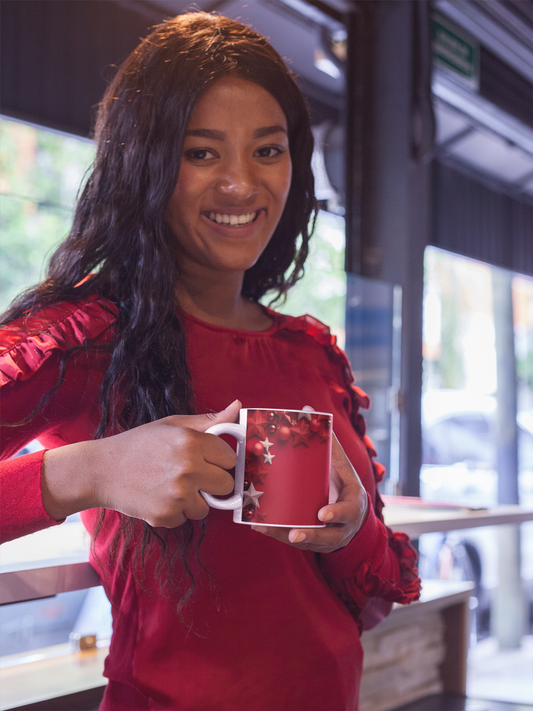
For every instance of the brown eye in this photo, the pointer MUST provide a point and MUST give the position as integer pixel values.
(198, 154)
(269, 152)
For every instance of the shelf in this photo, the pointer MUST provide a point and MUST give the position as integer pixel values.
(59, 673)
(416, 520)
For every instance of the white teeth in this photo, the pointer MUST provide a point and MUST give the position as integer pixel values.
(232, 220)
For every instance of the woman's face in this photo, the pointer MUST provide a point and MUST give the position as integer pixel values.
(234, 179)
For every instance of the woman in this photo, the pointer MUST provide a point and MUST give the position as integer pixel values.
(200, 202)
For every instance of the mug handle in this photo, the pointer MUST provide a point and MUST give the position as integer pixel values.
(239, 432)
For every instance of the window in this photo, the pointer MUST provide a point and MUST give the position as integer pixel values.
(462, 308)
(322, 291)
(460, 380)
(41, 171)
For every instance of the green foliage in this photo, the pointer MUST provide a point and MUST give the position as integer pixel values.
(322, 291)
(451, 362)
(524, 369)
(42, 165)
(40, 172)
(29, 234)
(448, 369)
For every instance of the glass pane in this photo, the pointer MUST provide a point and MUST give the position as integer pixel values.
(459, 407)
(42, 165)
(36, 624)
(321, 292)
(41, 171)
(373, 342)
(469, 453)
(30, 233)
(523, 329)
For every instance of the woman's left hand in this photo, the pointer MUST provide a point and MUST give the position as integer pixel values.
(344, 518)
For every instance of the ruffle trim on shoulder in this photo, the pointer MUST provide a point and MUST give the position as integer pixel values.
(322, 335)
(30, 340)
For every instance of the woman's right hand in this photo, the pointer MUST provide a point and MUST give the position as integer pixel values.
(153, 472)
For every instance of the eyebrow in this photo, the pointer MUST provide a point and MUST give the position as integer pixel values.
(269, 130)
(221, 135)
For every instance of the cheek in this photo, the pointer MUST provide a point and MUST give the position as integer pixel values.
(179, 199)
(284, 183)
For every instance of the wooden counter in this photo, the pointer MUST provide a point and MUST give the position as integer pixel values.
(419, 649)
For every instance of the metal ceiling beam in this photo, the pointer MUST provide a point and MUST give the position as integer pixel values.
(495, 27)
(318, 12)
(483, 112)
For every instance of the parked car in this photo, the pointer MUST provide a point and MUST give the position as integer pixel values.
(459, 454)
(459, 466)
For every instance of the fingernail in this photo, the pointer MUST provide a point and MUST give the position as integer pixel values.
(296, 537)
(233, 403)
(259, 529)
(325, 516)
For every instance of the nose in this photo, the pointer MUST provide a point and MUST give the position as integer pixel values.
(238, 181)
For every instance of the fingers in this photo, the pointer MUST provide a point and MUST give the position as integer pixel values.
(342, 470)
(199, 454)
(180, 498)
(341, 467)
(215, 451)
(338, 532)
(319, 540)
(201, 423)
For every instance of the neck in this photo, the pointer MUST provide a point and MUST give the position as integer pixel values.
(218, 300)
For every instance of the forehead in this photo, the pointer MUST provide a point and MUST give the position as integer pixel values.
(233, 101)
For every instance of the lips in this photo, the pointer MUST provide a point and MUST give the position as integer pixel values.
(232, 220)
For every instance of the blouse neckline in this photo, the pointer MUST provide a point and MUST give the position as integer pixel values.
(277, 320)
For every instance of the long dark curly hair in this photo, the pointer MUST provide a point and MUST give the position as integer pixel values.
(121, 245)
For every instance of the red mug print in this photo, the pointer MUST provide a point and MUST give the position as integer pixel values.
(282, 476)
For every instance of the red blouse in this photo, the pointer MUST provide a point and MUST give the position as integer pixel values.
(269, 627)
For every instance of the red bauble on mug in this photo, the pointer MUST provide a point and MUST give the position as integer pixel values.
(284, 434)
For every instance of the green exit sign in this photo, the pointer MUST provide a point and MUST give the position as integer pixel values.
(455, 51)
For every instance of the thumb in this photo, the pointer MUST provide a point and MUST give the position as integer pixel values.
(342, 469)
(338, 456)
(201, 423)
(338, 459)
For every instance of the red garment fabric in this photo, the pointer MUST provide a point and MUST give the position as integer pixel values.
(269, 627)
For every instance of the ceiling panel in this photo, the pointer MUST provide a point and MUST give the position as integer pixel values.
(449, 123)
(494, 155)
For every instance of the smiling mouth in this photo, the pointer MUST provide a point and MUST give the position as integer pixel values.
(232, 220)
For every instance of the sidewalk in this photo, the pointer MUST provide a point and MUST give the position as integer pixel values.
(503, 675)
